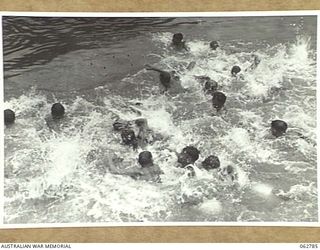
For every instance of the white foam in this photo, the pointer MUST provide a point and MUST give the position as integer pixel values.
(211, 206)
(262, 189)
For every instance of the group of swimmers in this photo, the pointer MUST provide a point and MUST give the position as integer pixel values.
(137, 134)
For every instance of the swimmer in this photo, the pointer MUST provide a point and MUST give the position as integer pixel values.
(256, 62)
(148, 171)
(178, 43)
(227, 173)
(214, 45)
(129, 138)
(144, 134)
(218, 100)
(210, 87)
(188, 155)
(235, 70)
(211, 162)
(136, 133)
(278, 128)
(55, 121)
(120, 124)
(169, 81)
(9, 117)
(57, 111)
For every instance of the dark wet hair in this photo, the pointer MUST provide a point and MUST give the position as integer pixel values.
(235, 70)
(9, 117)
(278, 127)
(193, 152)
(165, 79)
(128, 137)
(218, 100)
(177, 37)
(210, 86)
(211, 162)
(145, 158)
(230, 169)
(214, 45)
(57, 110)
(141, 122)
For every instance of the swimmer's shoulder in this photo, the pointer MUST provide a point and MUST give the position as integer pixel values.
(156, 169)
(58, 125)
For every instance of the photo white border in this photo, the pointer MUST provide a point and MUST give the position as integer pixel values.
(155, 14)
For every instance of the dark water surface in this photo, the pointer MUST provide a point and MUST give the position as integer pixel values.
(95, 67)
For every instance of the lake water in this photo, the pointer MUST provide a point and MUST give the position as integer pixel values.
(95, 67)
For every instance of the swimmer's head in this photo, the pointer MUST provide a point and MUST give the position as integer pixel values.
(128, 137)
(141, 122)
(229, 169)
(214, 45)
(145, 159)
(218, 100)
(211, 162)
(177, 38)
(278, 127)
(57, 111)
(235, 70)
(210, 86)
(188, 155)
(9, 117)
(165, 79)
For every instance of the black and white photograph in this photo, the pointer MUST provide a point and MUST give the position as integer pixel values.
(159, 119)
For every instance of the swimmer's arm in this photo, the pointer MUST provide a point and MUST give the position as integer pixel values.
(252, 66)
(130, 171)
(269, 136)
(202, 78)
(191, 65)
(307, 139)
(114, 170)
(149, 67)
(135, 110)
